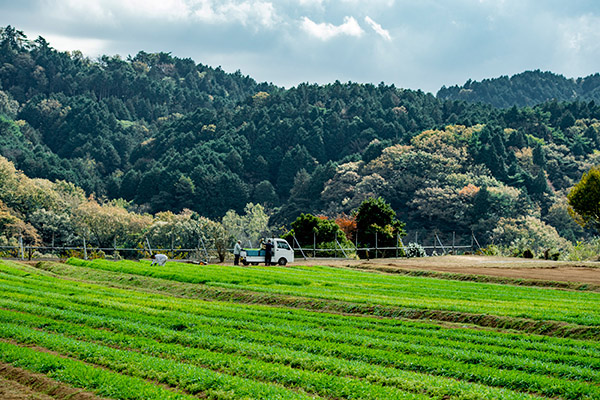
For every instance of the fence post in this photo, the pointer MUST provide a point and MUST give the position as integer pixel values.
(299, 247)
(376, 245)
(335, 249)
(441, 244)
(314, 245)
(480, 249)
(150, 248)
(472, 248)
(453, 242)
(21, 247)
(84, 249)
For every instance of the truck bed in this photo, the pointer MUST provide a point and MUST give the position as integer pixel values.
(255, 252)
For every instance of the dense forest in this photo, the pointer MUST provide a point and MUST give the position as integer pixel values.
(525, 89)
(167, 134)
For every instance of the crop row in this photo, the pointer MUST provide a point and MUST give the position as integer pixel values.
(242, 316)
(321, 381)
(546, 327)
(78, 374)
(358, 286)
(331, 358)
(551, 363)
(197, 332)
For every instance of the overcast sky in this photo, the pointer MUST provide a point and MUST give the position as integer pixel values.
(416, 44)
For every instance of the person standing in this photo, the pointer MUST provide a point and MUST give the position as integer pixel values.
(268, 252)
(237, 249)
(159, 259)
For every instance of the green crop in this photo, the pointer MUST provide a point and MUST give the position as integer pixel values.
(230, 350)
(377, 289)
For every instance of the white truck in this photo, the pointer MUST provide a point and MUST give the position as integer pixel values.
(282, 253)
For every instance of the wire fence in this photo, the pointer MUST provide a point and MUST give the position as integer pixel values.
(431, 242)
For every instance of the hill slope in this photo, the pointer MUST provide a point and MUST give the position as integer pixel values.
(525, 89)
(168, 134)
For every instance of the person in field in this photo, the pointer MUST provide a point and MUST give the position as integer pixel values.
(237, 249)
(159, 259)
(268, 252)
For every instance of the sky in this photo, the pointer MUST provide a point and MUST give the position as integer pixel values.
(413, 44)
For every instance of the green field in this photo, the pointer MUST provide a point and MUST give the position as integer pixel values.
(126, 330)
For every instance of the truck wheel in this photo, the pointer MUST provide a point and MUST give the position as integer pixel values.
(245, 262)
(282, 261)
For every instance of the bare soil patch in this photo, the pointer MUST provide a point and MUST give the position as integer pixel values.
(586, 272)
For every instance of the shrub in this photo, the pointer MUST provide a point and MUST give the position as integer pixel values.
(491, 250)
(584, 251)
(415, 250)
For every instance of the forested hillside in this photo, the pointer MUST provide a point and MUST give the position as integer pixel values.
(168, 134)
(525, 89)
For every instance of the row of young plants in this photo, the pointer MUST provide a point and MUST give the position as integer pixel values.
(82, 375)
(382, 325)
(257, 319)
(234, 348)
(351, 390)
(336, 347)
(357, 286)
(405, 339)
(182, 305)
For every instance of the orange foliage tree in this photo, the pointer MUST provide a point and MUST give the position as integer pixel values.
(347, 224)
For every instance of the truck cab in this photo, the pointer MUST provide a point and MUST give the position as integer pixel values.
(282, 253)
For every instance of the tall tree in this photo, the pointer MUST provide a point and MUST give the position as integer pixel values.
(377, 226)
(584, 199)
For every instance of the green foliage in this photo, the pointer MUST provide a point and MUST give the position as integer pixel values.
(414, 250)
(525, 89)
(584, 199)
(250, 227)
(526, 235)
(376, 224)
(170, 134)
(583, 251)
(310, 230)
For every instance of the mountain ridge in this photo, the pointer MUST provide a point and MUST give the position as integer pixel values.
(527, 88)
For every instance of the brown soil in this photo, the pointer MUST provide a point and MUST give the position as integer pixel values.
(586, 272)
(20, 384)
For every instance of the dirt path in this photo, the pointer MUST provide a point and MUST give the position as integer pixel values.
(507, 267)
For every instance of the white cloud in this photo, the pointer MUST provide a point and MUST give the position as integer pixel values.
(581, 34)
(377, 28)
(245, 12)
(311, 3)
(370, 3)
(89, 47)
(108, 10)
(326, 31)
(170, 9)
